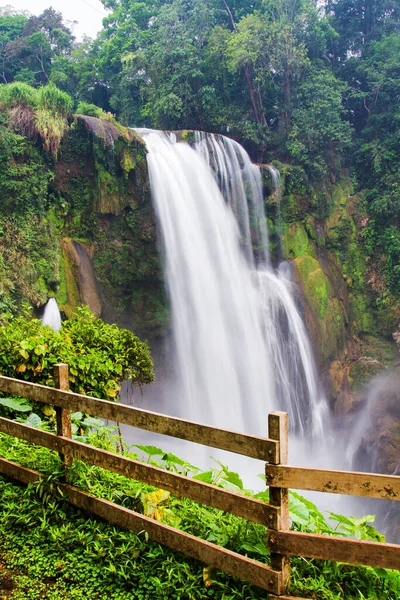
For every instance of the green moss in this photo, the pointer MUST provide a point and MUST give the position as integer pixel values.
(314, 284)
(340, 192)
(335, 329)
(187, 136)
(295, 241)
(70, 278)
(41, 289)
(127, 162)
(377, 354)
(61, 295)
(76, 146)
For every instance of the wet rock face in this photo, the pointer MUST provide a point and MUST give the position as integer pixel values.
(382, 439)
(106, 228)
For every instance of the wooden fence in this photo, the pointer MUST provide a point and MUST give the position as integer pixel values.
(282, 542)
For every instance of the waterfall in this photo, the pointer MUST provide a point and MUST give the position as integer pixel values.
(241, 346)
(51, 315)
(276, 198)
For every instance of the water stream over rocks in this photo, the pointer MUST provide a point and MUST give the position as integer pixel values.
(241, 349)
(51, 315)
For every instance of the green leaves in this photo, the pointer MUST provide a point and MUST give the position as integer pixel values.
(359, 528)
(150, 450)
(99, 356)
(34, 421)
(15, 404)
(44, 537)
(298, 511)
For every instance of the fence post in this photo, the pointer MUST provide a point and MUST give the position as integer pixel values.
(63, 415)
(278, 429)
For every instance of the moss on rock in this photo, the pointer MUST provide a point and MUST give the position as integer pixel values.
(314, 284)
(295, 241)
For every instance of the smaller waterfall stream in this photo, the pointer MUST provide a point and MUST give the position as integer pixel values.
(51, 315)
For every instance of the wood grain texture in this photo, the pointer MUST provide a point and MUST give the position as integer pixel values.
(210, 554)
(373, 554)
(334, 482)
(15, 471)
(242, 506)
(278, 429)
(247, 445)
(63, 415)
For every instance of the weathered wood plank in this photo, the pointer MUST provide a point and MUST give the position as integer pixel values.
(210, 554)
(336, 482)
(278, 429)
(247, 445)
(63, 415)
(15, 471)
(373, 554)
(242, 506)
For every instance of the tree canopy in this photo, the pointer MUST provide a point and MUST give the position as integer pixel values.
(310, 83)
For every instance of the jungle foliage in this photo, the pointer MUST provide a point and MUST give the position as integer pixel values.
(55, 551)
(308, 83)
(99, 356)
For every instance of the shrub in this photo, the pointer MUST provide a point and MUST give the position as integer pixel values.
(91, 110)
(51, 128)
(99, 355)
(19, 94)
(55, 100)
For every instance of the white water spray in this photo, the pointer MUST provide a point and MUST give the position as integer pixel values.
(241, 347)
(51, 315)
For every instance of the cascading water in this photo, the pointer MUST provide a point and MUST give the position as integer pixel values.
(295, 379)
(51, 315)
(223, 361)
(241, 346)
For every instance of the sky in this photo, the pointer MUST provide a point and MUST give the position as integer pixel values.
(88, 13)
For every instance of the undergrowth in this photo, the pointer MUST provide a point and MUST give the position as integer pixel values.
(55, 551)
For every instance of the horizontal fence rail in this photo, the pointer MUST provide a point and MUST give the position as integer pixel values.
(386, 487)
(226, 560)
(246, 445)
(327, 547)
(241, 506)
(282, 542)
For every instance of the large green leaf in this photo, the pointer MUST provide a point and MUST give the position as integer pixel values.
(233, 478)
(17, 404)
(34, 421)
(93, 423)
(150, 450)
(207, 476)
(298, 511)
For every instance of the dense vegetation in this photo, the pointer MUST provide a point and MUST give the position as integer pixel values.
(99, 356)
(54, 551)
(312, 86)
(308, 83)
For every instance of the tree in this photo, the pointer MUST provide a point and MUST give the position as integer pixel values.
(28, 47)
(317, 124)
(11, 28)
(359, 22)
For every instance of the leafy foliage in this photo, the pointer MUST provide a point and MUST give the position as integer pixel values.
(72, 552)
(37, 114)
(99, 355)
